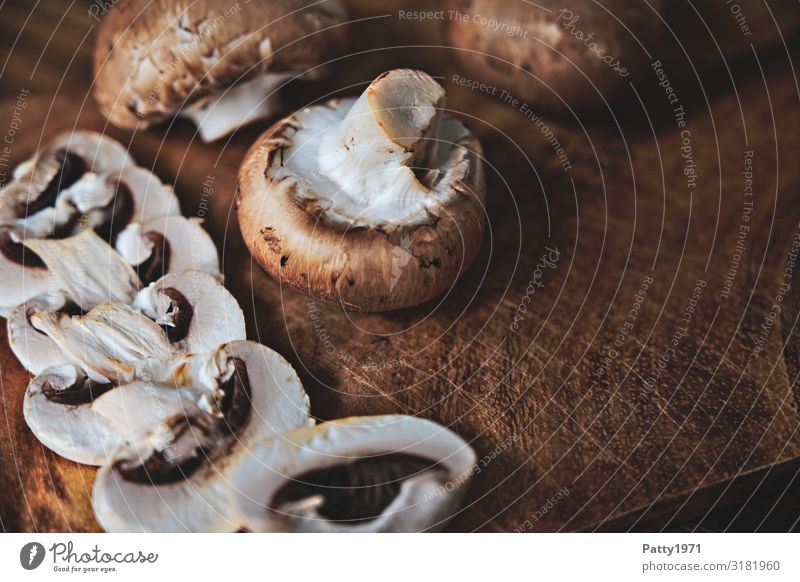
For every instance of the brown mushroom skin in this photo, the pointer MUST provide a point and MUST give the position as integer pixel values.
(183, 50)
(546, 60)
(362, 269)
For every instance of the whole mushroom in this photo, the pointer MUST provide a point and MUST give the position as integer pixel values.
(551, 54)
(375, 202)
(218, 65)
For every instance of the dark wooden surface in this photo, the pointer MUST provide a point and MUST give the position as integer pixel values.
(712, 444)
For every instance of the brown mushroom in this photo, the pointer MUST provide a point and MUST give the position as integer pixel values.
(376, 203)
(552, 54)
(218, 65)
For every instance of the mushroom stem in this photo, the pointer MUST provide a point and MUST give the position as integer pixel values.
(390, 131)
(234, 107)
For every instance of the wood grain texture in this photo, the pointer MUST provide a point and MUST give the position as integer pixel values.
(570, 432)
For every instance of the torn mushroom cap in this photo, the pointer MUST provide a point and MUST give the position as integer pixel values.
(177, 478)
(195, 310)
(376, 203)
(69, 414)
(220, 64)
(107, 342)
(168, 244)
(28, 207)
(365, 474)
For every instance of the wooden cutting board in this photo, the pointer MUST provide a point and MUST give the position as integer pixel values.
(613, 355)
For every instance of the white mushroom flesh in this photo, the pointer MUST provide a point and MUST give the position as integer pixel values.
(107, 341)
(87, 269)
(388, 158)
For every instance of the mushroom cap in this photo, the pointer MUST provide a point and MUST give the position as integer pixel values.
(204, 500)
(422, 495)
(214, 315)
(368, 269)
(152, 56)
(530, 57)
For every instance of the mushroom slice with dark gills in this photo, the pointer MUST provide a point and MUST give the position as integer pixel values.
(31, 206)
(179, 477)
(108, 342)
(196, 311)
(364, 474)
(81, 181)
(67, 412)
(168, 244)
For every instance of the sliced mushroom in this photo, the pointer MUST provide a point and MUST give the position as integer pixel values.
(107, 342)
(219, 66)
(196, 311)
(82, 181)
(33, 348)
(375, 202)
(365, 474)
(177, 478)
(139, 196)
(168, 244)
(87, 269)
(76, 418)
(28, 207)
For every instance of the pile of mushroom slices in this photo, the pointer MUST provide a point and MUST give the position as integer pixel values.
(141, 368)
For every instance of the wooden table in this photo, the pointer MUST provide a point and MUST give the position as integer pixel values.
(636, 389)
